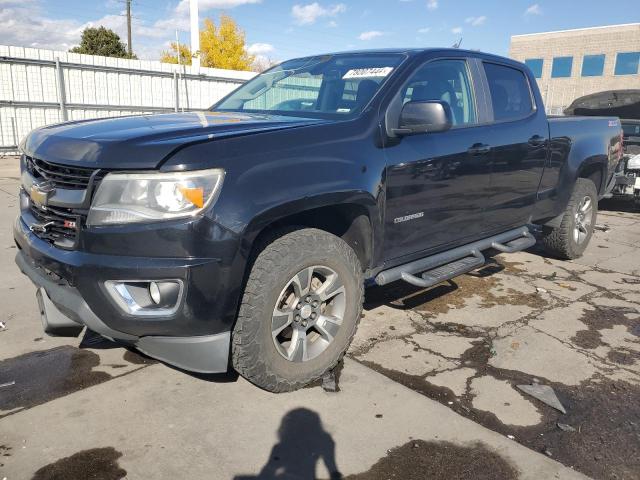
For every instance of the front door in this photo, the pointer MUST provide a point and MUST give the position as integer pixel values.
(437, 183)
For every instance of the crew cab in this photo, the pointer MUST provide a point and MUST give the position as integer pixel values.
(244, 235)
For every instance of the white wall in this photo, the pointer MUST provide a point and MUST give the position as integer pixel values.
(29, 90)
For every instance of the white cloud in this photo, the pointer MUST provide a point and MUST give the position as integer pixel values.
(533, 10)
(183, 6)
(456, 30)
(27, 23)
(476, 21)
(332, 24)
(365, 36)
(308, 14)
(424, 30)
(260, 48)
(432, 4)
(23, 24)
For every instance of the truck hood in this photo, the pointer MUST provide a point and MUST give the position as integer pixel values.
(144, 141)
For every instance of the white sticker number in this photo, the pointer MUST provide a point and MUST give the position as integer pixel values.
(367, 73)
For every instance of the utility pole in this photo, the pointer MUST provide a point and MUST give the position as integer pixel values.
(195, 33)
(129, 28)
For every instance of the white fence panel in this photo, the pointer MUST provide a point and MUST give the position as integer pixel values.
(97, 87)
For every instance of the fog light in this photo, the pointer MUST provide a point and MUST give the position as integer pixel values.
(146, 297)
(154, 293)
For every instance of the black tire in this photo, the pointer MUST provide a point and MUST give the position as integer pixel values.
(254, 353)
(561, 241)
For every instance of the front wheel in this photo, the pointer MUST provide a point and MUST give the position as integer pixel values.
(300, 310)
(570, 239)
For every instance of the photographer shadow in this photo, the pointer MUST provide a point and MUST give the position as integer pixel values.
(303, 443)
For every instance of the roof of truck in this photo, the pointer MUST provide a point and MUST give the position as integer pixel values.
(395, 50)
(416, 51)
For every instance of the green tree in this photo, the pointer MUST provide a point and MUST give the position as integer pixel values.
(101, 41)
(221, 46)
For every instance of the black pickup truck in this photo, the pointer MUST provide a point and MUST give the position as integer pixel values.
(246, 234)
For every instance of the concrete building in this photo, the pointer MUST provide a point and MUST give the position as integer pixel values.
(571, 63)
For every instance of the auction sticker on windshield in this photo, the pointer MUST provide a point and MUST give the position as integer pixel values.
(367, 72)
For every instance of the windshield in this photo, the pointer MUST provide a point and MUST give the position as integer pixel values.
(324, 86)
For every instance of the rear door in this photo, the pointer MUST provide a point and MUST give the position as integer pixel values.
(437, 183)
(519, 140)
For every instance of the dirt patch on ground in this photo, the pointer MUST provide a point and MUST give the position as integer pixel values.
(587, 339)
(623, 357)
(606, 317)
(5, 451)
(137, 358)
(97, 463)
(402, 296)
(605, 416)
(454, 293)
(458, 329)
(416, 383)
(513, 267)
(419, 460)
(42, 376)
(599, 319)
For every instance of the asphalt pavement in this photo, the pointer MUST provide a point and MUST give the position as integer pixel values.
(428, 389)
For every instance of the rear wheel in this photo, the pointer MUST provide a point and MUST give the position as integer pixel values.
(571, 238)
(300, 310)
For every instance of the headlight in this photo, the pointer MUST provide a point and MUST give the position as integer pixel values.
(634, 163)
(148, 197)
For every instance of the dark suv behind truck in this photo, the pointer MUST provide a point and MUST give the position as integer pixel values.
(246, 234)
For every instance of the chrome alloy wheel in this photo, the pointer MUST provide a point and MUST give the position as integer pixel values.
(308, 313)
(583, 219)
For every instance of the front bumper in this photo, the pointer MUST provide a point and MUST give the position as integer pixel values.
(72, 295)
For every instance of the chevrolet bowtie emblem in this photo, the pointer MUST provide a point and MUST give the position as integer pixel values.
(40, 192)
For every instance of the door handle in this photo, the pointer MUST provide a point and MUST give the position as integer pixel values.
(479, 149)
(537, 141)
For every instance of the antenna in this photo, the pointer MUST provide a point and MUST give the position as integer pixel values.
(457, 44)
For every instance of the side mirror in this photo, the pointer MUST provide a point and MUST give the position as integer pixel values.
(422, 117)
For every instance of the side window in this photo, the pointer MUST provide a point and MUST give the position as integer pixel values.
(447, 81)
(510, 93)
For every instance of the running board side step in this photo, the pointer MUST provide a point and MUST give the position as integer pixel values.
(445, 272)
(447, 265)
(517, 245)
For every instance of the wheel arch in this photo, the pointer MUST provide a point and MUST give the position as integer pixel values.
(594, 171)
(353, 219)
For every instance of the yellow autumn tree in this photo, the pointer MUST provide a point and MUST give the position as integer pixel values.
(221, 46)
(172, 57)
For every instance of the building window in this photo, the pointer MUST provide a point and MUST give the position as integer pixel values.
(561, 67)
(627, 63)
(593, 65)
(535, 64)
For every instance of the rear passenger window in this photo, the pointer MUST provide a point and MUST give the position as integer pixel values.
(510, 93)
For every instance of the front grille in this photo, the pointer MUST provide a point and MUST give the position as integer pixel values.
(60, 226)
(61, 176)
(57, 225)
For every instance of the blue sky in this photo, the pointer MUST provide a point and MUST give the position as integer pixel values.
(282, 29)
